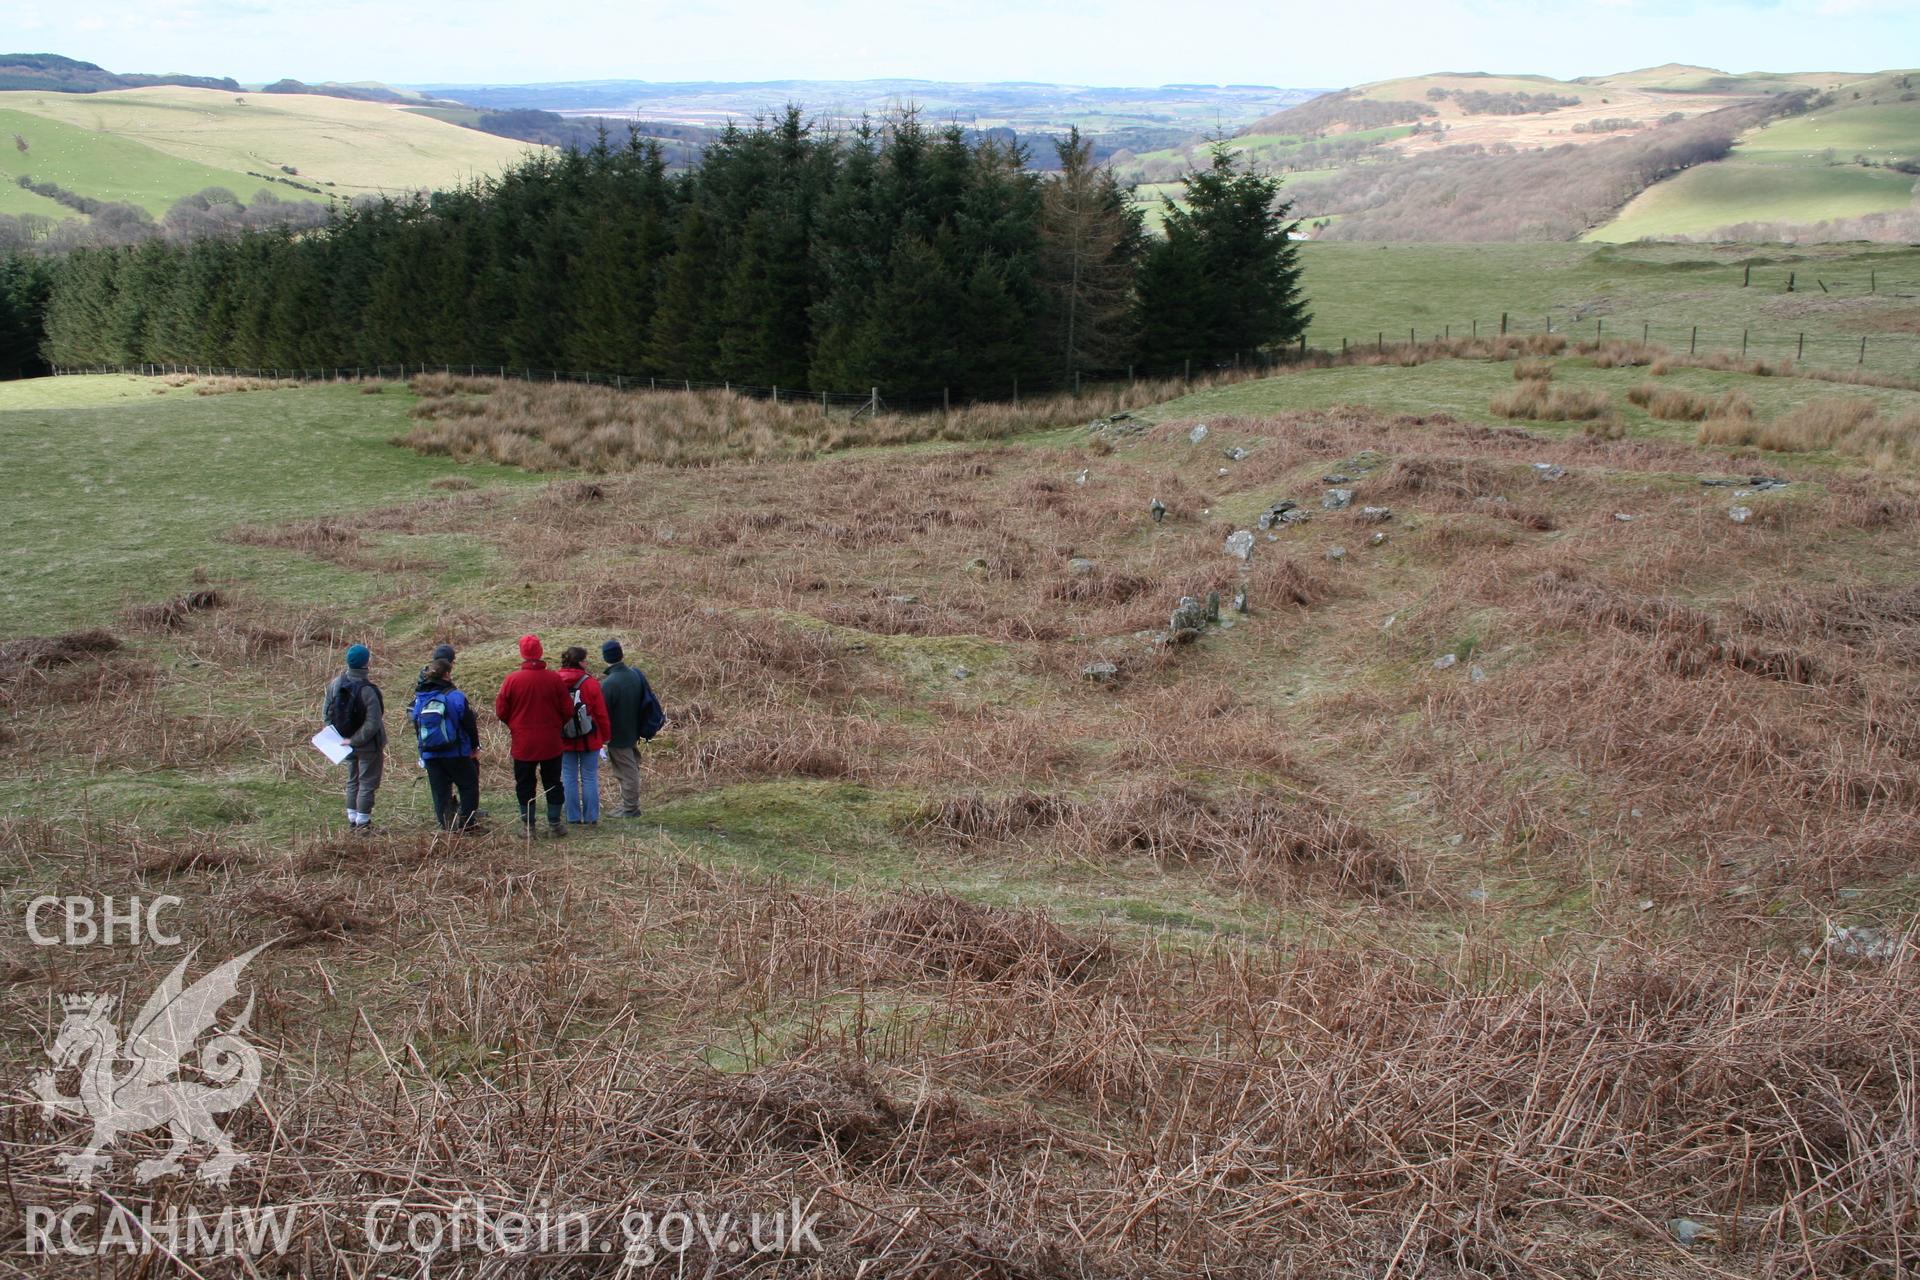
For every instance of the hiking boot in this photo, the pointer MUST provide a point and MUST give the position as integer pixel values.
(558, 830)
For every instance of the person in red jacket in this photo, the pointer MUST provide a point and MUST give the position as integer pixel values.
(534, 703)
(580, 761)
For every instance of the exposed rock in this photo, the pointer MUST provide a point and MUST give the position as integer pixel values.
(1281, 512)
(1336, 477)
(961, 673)
(1377, 540)
(1687, 1231)
(1081, 479)
(978, 567)
(1549, 470)
(1375, 515)
(1158, 510)
(1235, 454)
(1753, 484)
(1336, 553)
(1739, 515)
(1240, 600)
(1189, 615)
(1213, 606)
(1622, 517)
(1198, 434)
(1080, 567)
(1100, 672)
(903, 599)
(1222, 473)
(1861, 942)
(1240, 544)
(1336, 499)
(1477, 674)
(1444, 661)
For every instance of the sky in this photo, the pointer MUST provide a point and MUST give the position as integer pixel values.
(1328, 44)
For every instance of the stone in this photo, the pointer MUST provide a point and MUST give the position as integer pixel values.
(1081, 479)
(961, 673)
(1336, 499)
(1189, 615)
(1739, 515)
(1861, 942)
(978, 567)
(1549, 470)
(1080, 567)
(1239, 544)
(1375, 515)
(1646, 904)
(1336, 554)
(1476, 894)
(1235, 454)
(1240, 600)
(1100, 672)
(1278, 513)
(1222, 473)
(1687, 1231)
(1198, 434)
(1444, 661)
(1213, 606)
(1122, 416)
(1388, 624)
(1455, 840)
(1377, 540)
(1477, 674)
(1622, 517)
(1336, 477)
(903, 599)
(1158, 510)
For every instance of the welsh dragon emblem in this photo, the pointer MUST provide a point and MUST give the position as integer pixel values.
(132, 1087)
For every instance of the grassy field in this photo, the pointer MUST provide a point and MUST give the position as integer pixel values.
(1506, 839)
(106, 167)
(1362, 291)
(153, 473)
(1800, 170)
(160, 144)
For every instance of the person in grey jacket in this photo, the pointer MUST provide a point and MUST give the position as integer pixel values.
(354, 708)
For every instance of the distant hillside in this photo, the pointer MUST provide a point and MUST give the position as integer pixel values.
(1848, 162)
(50, 71)
(1662, 151)
(150, 147)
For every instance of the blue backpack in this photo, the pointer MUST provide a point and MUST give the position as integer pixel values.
(436, 718)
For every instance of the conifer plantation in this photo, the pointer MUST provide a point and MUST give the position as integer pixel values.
(916, 260)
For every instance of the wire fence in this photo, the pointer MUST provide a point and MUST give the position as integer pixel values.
(850, 403)
(1796, 290)
(1881, 351)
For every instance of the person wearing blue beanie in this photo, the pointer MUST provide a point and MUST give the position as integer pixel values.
(633, 714)
(354, 708)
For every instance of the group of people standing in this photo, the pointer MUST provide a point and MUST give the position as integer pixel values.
(560, 725)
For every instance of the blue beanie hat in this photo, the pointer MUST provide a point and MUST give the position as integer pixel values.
(442, 651)
(358, 656)
(611, 651)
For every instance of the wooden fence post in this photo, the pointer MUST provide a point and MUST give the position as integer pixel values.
(1693, 343)
(1503, 324)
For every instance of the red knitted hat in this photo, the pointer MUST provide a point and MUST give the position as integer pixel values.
(529, 647)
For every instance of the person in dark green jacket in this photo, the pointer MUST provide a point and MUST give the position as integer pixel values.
(634, 715)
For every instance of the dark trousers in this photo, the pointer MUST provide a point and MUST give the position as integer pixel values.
(443, 778)
(549, 780)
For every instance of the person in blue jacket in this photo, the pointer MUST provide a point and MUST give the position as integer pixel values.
(448, 738)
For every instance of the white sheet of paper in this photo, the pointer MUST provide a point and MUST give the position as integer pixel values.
(331, 745)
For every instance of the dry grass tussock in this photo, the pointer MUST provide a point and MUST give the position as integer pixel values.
(1536, 400)
(1851, 426)
(555, 426)
(1671, 404)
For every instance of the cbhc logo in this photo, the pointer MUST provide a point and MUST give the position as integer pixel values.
(108, 921)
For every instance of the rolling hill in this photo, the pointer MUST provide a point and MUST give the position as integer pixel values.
(1672, 150)
(153, 146)
(1837, 160)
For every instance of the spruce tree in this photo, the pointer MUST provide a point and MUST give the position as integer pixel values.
(1092, 239)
